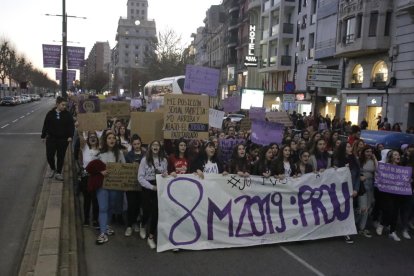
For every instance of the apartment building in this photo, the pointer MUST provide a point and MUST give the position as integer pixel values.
(98, 59)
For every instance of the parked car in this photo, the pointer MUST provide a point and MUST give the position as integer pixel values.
(234, 117)
(8, 101)
(17, 99)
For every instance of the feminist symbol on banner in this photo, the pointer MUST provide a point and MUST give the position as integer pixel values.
(189, 214)
(88, 106)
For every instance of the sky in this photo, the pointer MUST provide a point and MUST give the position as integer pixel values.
(25, 25)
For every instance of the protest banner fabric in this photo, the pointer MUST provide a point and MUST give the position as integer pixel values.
(89, 105)
(229, 211)
(264, 133)
(91, 121)
(215, 118)
(148, 125)
(136, 103)
(232, 104)
(393, 179)
(186, 116)
(116, 109)
(257, 113)
(122, 177)
(201, 80)
(51, 55)
(76, 57)
(279, 117)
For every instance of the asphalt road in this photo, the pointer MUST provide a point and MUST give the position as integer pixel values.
(22, 165)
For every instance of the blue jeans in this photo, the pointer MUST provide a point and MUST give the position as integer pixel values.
(106, 201)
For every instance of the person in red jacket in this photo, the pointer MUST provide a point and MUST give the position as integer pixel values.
(178, 162)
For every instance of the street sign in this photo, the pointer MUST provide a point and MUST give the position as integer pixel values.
(317, 71)
(326, 84)
(290, 98)
(322, 66)
(289, 87)
(325, 78)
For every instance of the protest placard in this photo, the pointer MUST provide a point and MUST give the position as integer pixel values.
(232, 104)
(257, 113)
(226, 148)
(201, 80)
(245, 124)
(89, 105)
(186, 116)
(279, 117)
(215, 118)
(264, 133)
(232, 211)
(136, 103)
(122, 177)
(148, 125)
(393, 179)
(92, 121)
(116, 109)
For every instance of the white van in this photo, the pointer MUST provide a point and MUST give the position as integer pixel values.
(155, 90)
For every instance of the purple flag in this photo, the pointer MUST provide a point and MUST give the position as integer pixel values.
(264, 133)
(201, 80)
(393, 179)
(232, 104)
(51, 55)
(226, 148)
(76, 57)
(89, 105)
(257, 113)
(71, 75)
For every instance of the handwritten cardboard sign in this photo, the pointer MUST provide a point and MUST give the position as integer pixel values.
(232, 104)
(245, 124)
(215, 118)
(279, 117)
(186, 116)
(264, 133)
(116, 109)
(257, 113)
(148, 125)
(122, 177)
(92, 121)
(201, 80)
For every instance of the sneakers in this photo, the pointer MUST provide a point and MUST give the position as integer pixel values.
(379, 229)
(102, 238)
(142, 232)
(128, 232)
(394, 236)
(51, 174)
(151, 243)
(348, 239)
(110, 231)
(95, 224)
(366, 233)
(59, 177)
(406, 235)
(135, 227)
(411, 225)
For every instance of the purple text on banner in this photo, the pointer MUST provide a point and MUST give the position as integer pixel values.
(257, 113)
(226, 148)
(71, 75)
(393, 179)
(51, 55)
(76, 57)
(264, 133)
(232, 104)
(201, 80)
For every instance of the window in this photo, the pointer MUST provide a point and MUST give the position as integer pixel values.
(136, 47)
(387, 23)
(311, 46)
(339, 32)
(358, 25)
(350, 30)
(380, 73)
(357, 76)
(143, 12)
(373, 20)
(132, 11)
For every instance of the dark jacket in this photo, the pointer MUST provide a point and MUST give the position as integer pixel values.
(95, 179)
(278, 168)
(199, 164)
(62, 128)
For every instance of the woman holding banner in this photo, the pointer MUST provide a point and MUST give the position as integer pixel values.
(239, 163)
(283, 166)
(263, 166)
(178, 162)
(320, 158)
(152, 164)
(207, 162)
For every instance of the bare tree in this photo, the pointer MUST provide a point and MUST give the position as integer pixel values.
(99, 81)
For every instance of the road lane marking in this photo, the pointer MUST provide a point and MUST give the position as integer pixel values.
(302, 261)
(4, 126)
(15, 121)
(16, 133)
(21, 117)
(28, 113)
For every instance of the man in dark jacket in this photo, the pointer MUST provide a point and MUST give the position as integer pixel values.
(58, 129)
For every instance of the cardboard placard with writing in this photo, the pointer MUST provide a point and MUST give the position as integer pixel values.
(216, 118)
(116, 109)
(245, 124)
(122, 177)
(186, 116)
(148, 125)
(92, 121)
(279, 117)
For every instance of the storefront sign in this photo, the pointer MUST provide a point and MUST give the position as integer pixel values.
(374, 101)
(251, 60)
(300, 97)
(352, 100)
(334, 100)
(290, 98)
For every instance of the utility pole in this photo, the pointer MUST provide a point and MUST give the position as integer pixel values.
(64, 83)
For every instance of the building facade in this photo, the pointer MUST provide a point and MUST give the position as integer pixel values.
(98, 60)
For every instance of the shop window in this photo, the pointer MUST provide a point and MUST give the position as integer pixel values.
(380, 74)
(357, 76)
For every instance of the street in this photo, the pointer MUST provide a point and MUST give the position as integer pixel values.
(22, 168)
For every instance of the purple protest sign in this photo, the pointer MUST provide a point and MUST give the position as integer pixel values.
(264, 133)
(257, 113)
(393, 179)
(76, 57)
(71, 75)
(232, 104)
(201, 80)
(226, 148)
(90, 105)
(51, 55)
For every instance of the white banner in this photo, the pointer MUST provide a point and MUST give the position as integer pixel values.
(229, 211)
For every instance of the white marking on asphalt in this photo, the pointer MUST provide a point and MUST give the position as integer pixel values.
(16, 133)
(21, 117)
(15, 121)
(4, 126)
(28, 113)
(302, 261)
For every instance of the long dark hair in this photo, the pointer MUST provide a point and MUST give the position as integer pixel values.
(263, 164)
(203, 155)
(150, 157)
(280, 156)
(104, 148)
(177, 148)
(238, 163)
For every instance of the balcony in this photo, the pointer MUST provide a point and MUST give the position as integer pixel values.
(233, 23)
(232, 41)
(287, 28)
(265, 34)
(313, 19)
(286, 61)
(266, 6)
(273, 61)
(253, 4)
(349, 46)
(275, 30)
(235, 7)
(311, 53)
